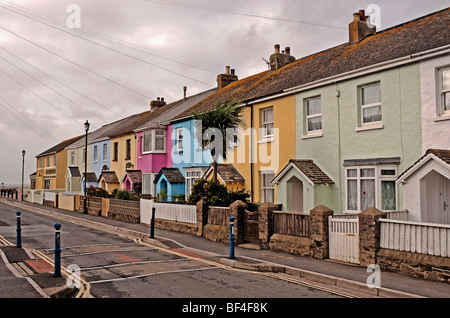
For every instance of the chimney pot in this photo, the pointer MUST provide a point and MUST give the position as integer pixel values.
(359, 28)
(227, 70)
(184, 91)
(232, 71)
(277, 48)
(288, 50)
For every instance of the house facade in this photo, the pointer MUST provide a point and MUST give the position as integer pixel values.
(51, 166)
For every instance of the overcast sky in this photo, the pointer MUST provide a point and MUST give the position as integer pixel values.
(127, 52)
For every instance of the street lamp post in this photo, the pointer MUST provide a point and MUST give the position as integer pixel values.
(23, 167)
(86, 128)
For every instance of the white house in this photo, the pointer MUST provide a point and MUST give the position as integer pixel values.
(426, 188)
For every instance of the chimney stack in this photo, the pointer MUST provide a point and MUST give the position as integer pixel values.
(227, 78)
(360, 27)
(184, 92)
(278, 60)
(159, 102)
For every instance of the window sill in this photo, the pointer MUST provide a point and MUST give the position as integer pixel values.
(441, 118)
(266, 140)
(370, 127)
(313, 135)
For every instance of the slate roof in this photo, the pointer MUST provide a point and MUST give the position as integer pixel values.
(74, 172)
(109, 176)
(173, 175)
(442, 154)
(309, 169)
(60, 146)
(227, 172)
(91, 177)
(416, 36)
(134, 175)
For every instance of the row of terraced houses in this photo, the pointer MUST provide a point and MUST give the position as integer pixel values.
(363, 124)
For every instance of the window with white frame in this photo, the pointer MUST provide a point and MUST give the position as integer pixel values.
(370, 97)
(154, 141)
(371, 186)
(313, 115)
(267, 123)
(148, 187)
(95, 153)
(179, 141)
(267, 189)
(105, 152)
(444, 91)
(191, 176)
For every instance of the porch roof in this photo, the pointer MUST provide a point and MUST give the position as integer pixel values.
(308, 169)
(440, 155)
(173, 175)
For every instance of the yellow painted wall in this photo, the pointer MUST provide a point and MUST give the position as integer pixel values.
(119, 165)
(273, 155)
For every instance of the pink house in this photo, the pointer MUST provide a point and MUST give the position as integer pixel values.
(155, 138)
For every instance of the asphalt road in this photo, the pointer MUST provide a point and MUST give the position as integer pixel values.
(119, 267)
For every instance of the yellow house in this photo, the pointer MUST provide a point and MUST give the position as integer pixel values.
(51, 166)
(226, 175)
(265, 146)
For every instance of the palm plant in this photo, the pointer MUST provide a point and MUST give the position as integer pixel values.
(222, 120)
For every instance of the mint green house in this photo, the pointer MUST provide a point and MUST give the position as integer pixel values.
(358, 116)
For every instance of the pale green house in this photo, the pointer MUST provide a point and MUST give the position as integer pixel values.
(358, 116)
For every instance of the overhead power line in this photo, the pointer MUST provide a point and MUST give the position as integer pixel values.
(230, 11)
(61, 83)
(72, 62)
(109, 48)
(107, 38)
(56, 92)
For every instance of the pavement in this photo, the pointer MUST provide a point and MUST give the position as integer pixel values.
(27, 275)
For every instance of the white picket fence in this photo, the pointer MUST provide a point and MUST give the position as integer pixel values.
(344, 238)
(416, 237)
(168, 211)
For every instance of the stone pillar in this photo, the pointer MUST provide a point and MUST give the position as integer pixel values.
(369, 235)
(237, 210)
(202, 216)
(265, 223)
(319, 231)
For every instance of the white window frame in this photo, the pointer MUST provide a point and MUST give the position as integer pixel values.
(307, 117)
(264, 187)
(191, 176)
(153, 136)
(105, 152)
(179, 139)
(266, 124)
(365, 106)
(378, 178)
(152, 185)
(442, 92)
(95, 153)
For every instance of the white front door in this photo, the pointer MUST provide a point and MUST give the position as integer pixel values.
(437, 199)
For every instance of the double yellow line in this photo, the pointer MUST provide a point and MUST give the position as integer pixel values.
(85, 287)
(267, 274)
(5, 242)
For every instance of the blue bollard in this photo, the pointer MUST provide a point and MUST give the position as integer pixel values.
(57, 272)
(232, 237)
(18, 231)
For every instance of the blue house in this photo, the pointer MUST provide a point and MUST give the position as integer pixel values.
(170, 183)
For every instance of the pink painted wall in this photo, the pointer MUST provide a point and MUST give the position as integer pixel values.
(153, 162)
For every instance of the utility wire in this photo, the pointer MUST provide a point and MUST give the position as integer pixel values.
(43, 136)
(112, 49)
(230, 11)
(61, 83)
(12, 78)
(111, 39)
(56, 92)
(72, 62)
